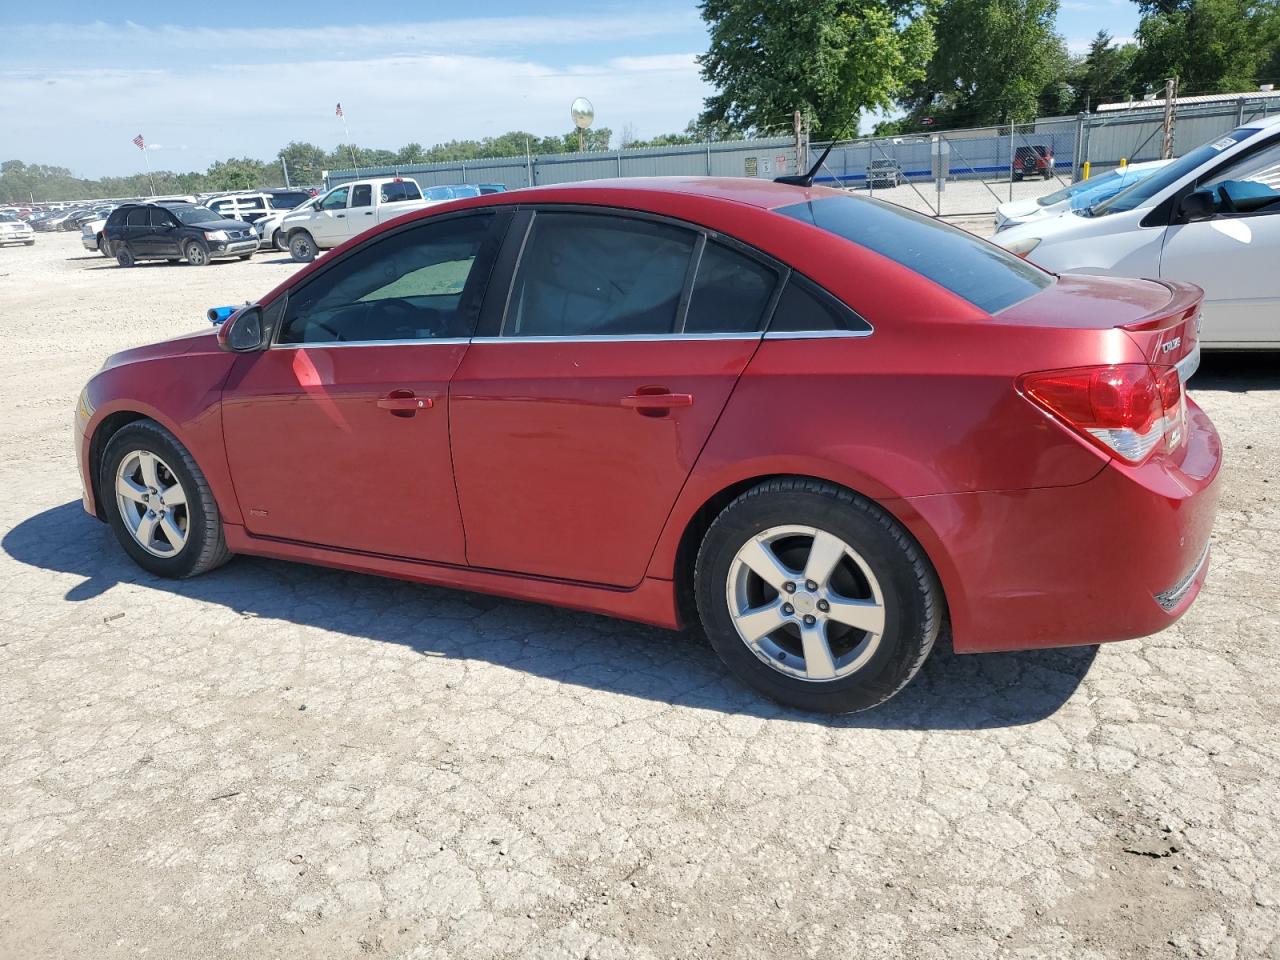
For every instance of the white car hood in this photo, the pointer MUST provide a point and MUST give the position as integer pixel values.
(1016, 209)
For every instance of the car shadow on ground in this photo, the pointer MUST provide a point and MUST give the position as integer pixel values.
(951, 693)
(1237, 372)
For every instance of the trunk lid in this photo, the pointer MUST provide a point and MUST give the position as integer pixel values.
(1161, 317)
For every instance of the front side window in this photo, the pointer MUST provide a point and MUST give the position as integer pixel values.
(584, 274)
(411, 285)
(160, 217)
(362, 195)
(975, 270)
(337, 200)
(1249, 185)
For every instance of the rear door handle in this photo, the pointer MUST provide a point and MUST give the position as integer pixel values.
(657, 401)
(402, 403)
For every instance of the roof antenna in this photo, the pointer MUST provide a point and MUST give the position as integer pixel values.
(806, 179)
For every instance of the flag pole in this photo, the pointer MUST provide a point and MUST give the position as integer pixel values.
(346, 135)
(150, 178)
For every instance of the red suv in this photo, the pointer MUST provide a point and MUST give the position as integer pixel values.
(817, 424)
(1033, 161)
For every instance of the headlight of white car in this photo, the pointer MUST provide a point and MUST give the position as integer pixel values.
(217, 234)
(1022, 247)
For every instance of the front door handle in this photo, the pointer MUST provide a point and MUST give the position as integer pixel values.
(403, 403)
(657, 401)
(339, 215)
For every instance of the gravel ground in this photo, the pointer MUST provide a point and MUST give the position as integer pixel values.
(276, 760)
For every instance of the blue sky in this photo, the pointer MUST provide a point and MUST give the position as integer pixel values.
(231, 78)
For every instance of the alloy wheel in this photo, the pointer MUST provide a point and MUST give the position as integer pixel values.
(805, 603)
(152, 503)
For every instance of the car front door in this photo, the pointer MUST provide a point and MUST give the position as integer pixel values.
(579, 411)
(1232, 255)
(328, 226)
(338, 434)
(162, 240)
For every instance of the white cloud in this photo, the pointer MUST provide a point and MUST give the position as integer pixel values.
(86, 118)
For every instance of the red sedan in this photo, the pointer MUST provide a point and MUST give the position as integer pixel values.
(817, 424)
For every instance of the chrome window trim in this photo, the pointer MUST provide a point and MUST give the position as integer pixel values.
(633, 337)
(819, 334)
(330, 344)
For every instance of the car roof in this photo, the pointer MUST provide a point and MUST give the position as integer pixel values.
(762, 194)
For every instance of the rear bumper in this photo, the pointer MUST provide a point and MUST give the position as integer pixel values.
(1120, 556)
(89, 243)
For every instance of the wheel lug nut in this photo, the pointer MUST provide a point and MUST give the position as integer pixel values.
(810, 585)
(824, 606)
(810, 619)
(789, 587)
(788, 609)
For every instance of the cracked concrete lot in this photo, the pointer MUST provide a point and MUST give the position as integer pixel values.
(279, 760)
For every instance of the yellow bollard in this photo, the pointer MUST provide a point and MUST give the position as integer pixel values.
(1086, 171)
(1124, 162)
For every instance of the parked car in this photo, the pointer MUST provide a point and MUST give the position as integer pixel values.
(346, 211)
(176, 232)
(1209, 218)
(884, 172)
(816, 423)
(93, 236)
(452, 191)
(492, 187)
(288, 198)
(269, 230)
(1076, 196)
(14, 229)
(1032, 160)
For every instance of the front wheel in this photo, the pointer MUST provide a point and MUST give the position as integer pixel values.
(816, 597)
(302, 247)
(196, 253)
(159, 503)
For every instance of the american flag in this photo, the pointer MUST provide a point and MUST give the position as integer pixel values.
(139, 142)
(338, 110)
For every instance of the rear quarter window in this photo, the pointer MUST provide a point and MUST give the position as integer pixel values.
(980, 272)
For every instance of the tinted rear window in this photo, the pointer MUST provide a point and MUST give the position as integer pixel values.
(980, 272)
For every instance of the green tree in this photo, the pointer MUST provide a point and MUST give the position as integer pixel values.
(1211, 46)
(830, 59)
(306, 161)
(242, 173)
(995, 61)
(1105, 73)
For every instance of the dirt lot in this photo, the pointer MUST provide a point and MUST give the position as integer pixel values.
(275, 760)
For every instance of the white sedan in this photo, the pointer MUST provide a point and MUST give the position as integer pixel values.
(1076, 196)
(1212, 217)
(15, 230)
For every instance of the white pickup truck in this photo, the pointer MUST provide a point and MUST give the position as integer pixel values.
(347, 210)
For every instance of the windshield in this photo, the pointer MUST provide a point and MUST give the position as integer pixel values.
(1133, 197)
(1104, 182)
(8, 217)
(980, 272)
(195, 214)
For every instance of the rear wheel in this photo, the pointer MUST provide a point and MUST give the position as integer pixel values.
(196, 253)
(245, 256)
(104, 248)
(816, 597)
(302, 247)
(124, 257)
(159, 504)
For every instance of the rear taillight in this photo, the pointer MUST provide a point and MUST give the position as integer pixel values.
(1130, 410)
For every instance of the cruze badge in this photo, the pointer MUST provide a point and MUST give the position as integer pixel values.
(1171, 345)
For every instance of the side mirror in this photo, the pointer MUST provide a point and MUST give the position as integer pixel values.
(243, 332)
(1199, 205)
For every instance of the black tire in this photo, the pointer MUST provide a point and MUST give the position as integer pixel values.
(205, 547)
(245, 256)
(173, 260)
(104, 247)
(1048, 174)
(302, 247)
(28, 243)
(124, 257)
(278, 241)
(196, 253)
(1017, 178)
(913, 603)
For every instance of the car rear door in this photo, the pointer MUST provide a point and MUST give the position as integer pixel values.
(338, 435)
(579, 410)
(137, 231)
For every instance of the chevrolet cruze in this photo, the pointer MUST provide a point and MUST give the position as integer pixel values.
(819, 425)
